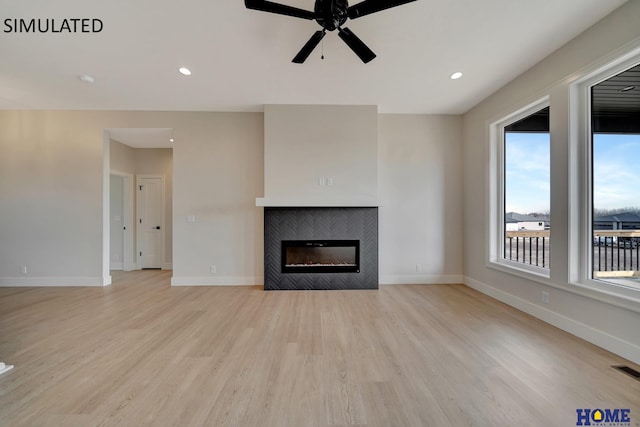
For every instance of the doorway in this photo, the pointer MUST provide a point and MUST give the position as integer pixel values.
(134, 157)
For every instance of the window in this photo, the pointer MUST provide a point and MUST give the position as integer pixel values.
(615, 194)
(603, 185)
(520, 189)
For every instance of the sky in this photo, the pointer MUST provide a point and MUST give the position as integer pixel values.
(616, 171)
(616, 174)
(527, 176)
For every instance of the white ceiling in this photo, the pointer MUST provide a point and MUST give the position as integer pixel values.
(241, 59)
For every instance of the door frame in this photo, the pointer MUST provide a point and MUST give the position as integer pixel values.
(128, 221)
(162, 219)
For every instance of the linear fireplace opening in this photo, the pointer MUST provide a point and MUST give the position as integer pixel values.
(320, 256)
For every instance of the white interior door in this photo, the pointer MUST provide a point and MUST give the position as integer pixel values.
(150, 207)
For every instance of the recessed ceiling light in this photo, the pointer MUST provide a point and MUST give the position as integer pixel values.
(87, 78)
(627, 89)
(456, 76)
(185, 71)
(171, 140)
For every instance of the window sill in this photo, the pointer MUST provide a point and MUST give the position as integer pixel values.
(615, 294)
(536, 274)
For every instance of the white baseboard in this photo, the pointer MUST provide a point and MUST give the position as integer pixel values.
(602, 339)
(167, 266)
(217, 281)
(54, 281)
(420, 280)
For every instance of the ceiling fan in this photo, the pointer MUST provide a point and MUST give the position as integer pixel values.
(331, 15)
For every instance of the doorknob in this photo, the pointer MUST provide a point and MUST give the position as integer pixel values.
(158, 227)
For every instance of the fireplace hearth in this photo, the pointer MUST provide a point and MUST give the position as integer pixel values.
(320, 248)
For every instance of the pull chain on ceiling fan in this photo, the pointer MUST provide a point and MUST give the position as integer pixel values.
(330, 15)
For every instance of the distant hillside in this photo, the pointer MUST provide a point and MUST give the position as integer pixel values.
(511, 217)
(607, 212)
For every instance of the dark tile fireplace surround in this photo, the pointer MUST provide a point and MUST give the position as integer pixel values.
(320, 248)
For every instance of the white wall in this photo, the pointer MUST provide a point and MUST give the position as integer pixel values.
(51, 194)
(50, 199)
(410, 164)
(303, 143)
(605, 324)
(420, 175)
(218, 174)
(122, 157)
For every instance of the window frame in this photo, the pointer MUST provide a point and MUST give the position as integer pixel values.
(580, 243)
(496, 229)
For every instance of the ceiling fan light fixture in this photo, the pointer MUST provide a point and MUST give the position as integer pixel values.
(184, 71)
(456, 75)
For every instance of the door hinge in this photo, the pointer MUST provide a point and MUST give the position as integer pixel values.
(140, 187)
(140, 253)
(140, 220)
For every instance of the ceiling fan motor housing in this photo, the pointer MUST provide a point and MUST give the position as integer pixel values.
(331, 14)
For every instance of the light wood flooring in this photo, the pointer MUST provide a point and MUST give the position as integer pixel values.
(142, 353)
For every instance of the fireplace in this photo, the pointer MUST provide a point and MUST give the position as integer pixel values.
(320, 248)
(320, 256)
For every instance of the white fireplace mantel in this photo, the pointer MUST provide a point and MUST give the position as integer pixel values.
(317, 202)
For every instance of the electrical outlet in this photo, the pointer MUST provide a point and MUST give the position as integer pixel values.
(418, 268)
(545, 297)
(321, 180)
(23, 270)
(212, 269)
(329, 181)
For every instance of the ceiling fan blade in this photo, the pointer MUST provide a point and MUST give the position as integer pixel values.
(281, 9)
(308, 47)
(356, 45)
(367, 7)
